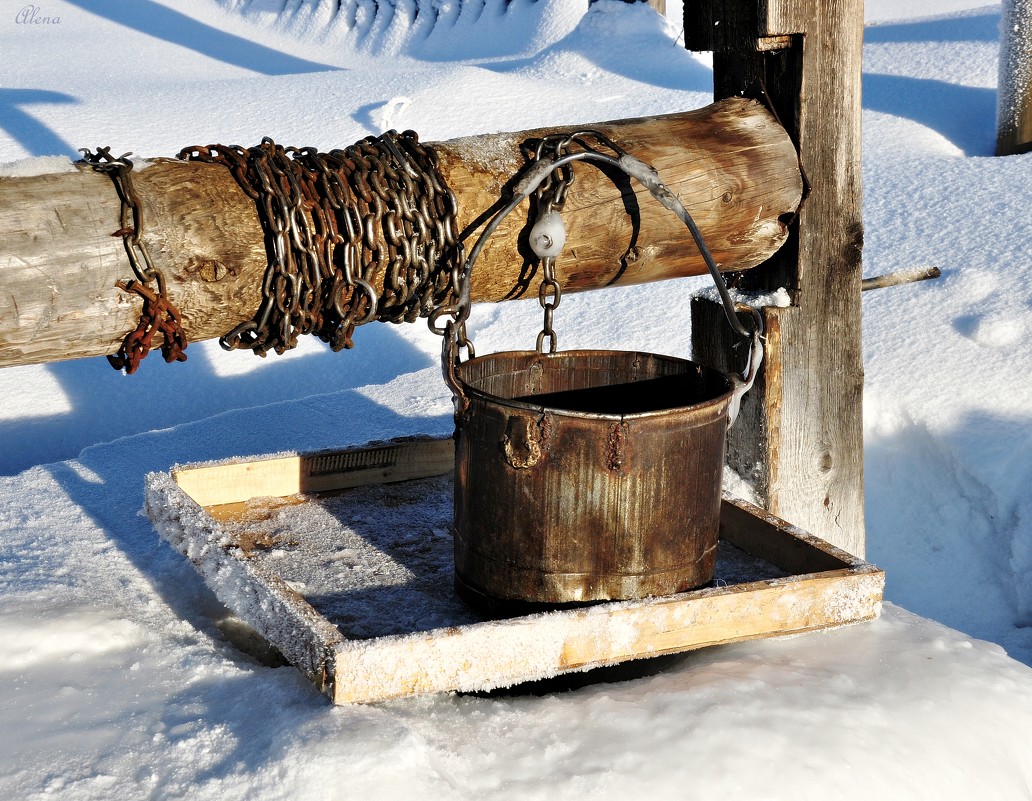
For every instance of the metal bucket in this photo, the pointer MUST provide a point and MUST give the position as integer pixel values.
(584, 475)
(587, 475)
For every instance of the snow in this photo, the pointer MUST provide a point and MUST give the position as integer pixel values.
(40, 165)
(119, 679)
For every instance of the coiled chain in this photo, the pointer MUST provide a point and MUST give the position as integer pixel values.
(337, 226)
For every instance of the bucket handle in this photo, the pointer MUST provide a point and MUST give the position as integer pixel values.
(454, 331)
(742, 384)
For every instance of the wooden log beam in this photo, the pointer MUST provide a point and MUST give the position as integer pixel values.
(731, 163)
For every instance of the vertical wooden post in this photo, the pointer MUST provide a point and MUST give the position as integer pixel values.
(659, 6)
(801, 435)
(1014, 99)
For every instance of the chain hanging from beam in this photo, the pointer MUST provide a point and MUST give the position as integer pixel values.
(158, 316)
(337, 226)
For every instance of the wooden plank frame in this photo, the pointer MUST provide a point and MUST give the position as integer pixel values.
(826, 587)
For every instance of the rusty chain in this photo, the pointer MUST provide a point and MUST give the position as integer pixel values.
(159, 315)
(338, 225)
(546, 239)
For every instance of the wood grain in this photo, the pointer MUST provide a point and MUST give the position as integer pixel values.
(805, 442)
(239, 480)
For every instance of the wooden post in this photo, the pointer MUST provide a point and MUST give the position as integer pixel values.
(733, 165)
(801, 435)
(659, 6)
(1014, 98)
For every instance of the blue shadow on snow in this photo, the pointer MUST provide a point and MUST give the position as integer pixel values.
(107, 480)
(965, 115)
(640, 50)
(26, 130)
(164, 23)
(105, 405)
(107, 483)
(982, 27)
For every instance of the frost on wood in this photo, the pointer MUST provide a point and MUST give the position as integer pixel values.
(37, 165)
(1014, 98)
(260, 598)
(356, 589)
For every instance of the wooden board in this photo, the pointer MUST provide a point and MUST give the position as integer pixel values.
(235, 482)
(793, 582)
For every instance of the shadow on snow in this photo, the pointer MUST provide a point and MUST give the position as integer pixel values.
(161, 22)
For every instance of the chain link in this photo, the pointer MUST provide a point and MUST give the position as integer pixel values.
(159, 315)
(550, 197)
(337, 226)
(550, 294)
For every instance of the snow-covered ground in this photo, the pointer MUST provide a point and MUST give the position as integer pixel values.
(117, 682)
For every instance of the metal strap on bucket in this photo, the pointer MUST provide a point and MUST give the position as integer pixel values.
(548, 236)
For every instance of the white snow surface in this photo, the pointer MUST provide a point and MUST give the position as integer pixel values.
(118, 680)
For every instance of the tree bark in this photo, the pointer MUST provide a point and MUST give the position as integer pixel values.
(731, 163)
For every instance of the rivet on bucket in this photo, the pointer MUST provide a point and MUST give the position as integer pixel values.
(617, 451)
(521, 443)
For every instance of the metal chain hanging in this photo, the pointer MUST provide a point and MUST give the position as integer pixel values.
(548, 234)
(339, 224)
(158, 314)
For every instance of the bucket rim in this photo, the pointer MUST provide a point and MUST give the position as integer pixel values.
(715, 402)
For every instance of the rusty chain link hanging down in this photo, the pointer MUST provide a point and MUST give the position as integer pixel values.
(339, 224)
(548, 234)
(158, 315)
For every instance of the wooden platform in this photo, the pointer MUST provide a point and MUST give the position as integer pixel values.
(348, 573)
